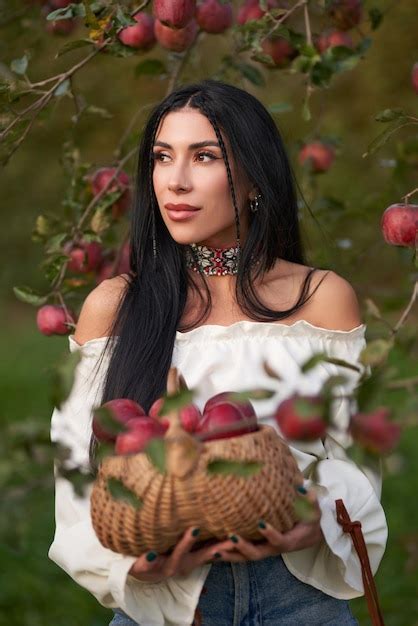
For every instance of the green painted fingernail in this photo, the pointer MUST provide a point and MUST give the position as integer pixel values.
(195, 532)
(233, 538)
(217, 555)
(261, 524)
(301, 489)
(151, 556)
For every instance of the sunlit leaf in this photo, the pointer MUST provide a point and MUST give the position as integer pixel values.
(30, 296)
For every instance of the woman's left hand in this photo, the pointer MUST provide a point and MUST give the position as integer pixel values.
(303, 535)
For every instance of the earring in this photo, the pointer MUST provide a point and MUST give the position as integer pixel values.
(254, 203)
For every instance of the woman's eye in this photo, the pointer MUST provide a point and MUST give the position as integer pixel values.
(157, 156)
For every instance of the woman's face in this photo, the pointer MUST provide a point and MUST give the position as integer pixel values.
(197, 176)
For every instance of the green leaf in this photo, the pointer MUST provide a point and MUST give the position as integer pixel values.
(307, 409)
(73, 45)
(124, 19)
(104, 416)
(251, 73)
(156, 452)
(244, 469)
(94, 110)
(62, 377)
(79, 480)
(306, 111)
(54, 244)
(176, 401)
(305, 510)
(119, 491)
(388, 115)
(19, 66)
(280, 107)
(150, 67)
(30, 296)
(375, 16)
(251, 394)
(100, 221)
(376, 352)
(63, 88)
(53, 265)
(310, 363)
(70, 11)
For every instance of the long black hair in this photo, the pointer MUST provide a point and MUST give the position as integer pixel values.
(154, 300)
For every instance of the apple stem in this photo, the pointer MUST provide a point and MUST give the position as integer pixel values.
(408, 195)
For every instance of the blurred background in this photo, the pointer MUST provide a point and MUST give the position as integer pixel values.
(341, 229)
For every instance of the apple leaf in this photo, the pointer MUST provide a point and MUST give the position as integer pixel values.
(72, 10)
(270, 371)
(280, 107)
(155, 450)
(119, 491)
(79, 480)
(388, 115)
(310, 363)
(62, 377)
(237, 468)
(19, 66)
(305, 510)
(376, 352)
(176, 401)
(73, 45)
(150, 67)
(30, 296)
(104, 416)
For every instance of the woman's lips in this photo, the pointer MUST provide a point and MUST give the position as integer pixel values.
(178, 216)
(178, 212)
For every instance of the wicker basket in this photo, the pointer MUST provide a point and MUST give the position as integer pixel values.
(188, 495)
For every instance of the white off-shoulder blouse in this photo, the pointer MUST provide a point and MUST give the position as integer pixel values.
(212, 359)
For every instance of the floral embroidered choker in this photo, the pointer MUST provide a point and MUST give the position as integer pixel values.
(212, 261)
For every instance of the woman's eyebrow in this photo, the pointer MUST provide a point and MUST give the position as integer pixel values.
(193, 146)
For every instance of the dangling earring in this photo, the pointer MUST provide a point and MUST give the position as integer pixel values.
(254, 203)
(154, 242)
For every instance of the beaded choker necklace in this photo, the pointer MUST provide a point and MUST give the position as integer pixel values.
(213, 261)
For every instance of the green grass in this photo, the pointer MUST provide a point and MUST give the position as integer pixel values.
(35, 592)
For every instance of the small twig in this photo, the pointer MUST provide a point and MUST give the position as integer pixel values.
(407, 310)
(411, 193)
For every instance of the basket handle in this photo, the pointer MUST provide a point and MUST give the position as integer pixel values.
(354, 528)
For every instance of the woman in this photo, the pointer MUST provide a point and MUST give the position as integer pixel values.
(208, 285)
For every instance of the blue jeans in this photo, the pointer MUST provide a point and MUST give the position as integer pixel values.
(261, 593)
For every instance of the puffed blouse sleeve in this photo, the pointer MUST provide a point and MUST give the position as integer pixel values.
(333, 564)
(76, 548)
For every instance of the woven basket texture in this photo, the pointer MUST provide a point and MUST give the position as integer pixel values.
(218, 504)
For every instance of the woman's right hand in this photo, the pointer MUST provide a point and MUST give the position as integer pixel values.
(180, 561)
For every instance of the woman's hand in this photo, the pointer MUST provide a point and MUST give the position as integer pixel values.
(302, 535)
(180, 561)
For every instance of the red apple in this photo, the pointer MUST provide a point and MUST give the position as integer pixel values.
(318, 155)
(251, 10)
(52, 320)
(295, 425)
(140, 432)
(245, 406)
(374, 431)
(222, 415)
(99, 180)
(399, 224)
(122, 410)
(140, 36)
(280, 50)
(177, 40)
(174, 13)
(214, 17)
(414, 77)
(332, 39)
(345, 13)
(190, 415)
(84, 257)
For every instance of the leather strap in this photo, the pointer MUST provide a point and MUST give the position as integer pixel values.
(370, 591)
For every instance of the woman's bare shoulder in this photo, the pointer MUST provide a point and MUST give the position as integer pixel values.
(99, 309)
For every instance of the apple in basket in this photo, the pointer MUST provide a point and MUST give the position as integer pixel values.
(140, 430)
(121, 410)
(223, 415)
(190, 415)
